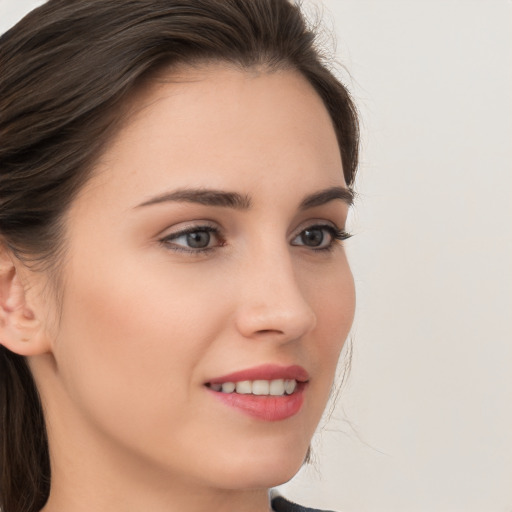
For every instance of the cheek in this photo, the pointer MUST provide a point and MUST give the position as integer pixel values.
(131, 340)
(334, 304)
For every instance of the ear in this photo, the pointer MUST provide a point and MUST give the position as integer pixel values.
(20, 328)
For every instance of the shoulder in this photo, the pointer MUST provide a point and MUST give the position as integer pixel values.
(280, 504)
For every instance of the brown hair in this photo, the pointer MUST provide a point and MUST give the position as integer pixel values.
(66, 70)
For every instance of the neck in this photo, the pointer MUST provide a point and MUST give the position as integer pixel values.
(87, 500)
(87, 475)
(107, 487)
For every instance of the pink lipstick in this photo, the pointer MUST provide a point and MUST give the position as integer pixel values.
(267, 392)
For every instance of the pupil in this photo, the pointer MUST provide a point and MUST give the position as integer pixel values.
(198, 239)
(313, 237)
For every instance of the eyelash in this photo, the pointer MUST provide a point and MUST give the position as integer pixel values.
(167, 240)
(337, 236)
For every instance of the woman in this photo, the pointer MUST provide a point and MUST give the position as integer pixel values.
(175, 180)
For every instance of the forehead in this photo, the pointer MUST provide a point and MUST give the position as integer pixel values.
(220, 127)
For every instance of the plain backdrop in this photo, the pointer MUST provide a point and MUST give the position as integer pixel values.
(424, 422)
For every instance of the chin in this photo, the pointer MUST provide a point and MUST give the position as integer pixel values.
(253, 479)
(265, 469)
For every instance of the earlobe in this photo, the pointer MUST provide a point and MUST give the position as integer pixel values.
(20, 329)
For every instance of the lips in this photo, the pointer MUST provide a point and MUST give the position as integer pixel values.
(265, 372)
(267, 392)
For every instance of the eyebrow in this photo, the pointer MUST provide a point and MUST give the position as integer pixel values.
(207, 197)
(325, 196)
(211, 197)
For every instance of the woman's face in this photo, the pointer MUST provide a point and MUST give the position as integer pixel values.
(204, 251)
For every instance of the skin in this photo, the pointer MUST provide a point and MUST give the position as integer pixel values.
(143, 324)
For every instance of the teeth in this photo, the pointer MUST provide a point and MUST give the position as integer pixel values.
(277, 387)
(228, 387)
(244, 387)
(289, 386)
(260, 387)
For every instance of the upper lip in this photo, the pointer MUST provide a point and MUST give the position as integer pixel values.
(264, 372)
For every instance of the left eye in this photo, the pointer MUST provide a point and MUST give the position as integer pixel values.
(317, 237)
(194, 239)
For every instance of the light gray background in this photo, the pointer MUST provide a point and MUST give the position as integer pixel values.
(425, 421)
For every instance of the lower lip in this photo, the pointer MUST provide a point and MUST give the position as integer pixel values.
(265, 407)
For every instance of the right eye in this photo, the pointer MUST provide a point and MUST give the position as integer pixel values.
(195, 239)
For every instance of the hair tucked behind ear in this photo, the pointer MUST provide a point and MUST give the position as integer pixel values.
(66, 70)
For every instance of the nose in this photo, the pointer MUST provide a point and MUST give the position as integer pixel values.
(271, 301)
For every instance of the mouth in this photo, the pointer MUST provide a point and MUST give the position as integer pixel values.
(269, 392)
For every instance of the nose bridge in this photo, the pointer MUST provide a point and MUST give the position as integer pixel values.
(272, 301)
